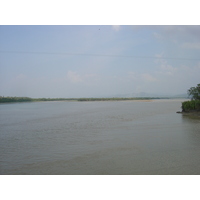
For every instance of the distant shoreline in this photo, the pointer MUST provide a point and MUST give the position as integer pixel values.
(27, 99)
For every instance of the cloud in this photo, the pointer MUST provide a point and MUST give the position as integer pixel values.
(140, 77)
(73, 77)
(164, 67)
(116, 27)
(148, 77)
(86, 79)
(168, 69)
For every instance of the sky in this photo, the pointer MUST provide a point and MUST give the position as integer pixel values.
(73, 61)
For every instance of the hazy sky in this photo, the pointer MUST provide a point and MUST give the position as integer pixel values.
(98, 61)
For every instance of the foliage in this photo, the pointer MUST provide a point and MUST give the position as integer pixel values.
(27, 99)
(14, 99)
(191, 105)
(194, 92)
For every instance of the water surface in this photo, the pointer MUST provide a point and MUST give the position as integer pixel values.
(122, 137)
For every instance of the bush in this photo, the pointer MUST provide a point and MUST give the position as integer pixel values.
(191, 105)
(194, 92)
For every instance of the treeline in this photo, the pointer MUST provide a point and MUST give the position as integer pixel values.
(194, 103)
(14, 99)
(116, 99)
(53, 99)
(28, 99)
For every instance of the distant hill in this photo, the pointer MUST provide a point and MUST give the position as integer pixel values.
(180, 96)
(144, 94)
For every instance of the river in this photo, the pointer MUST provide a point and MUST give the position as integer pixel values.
(98, 138)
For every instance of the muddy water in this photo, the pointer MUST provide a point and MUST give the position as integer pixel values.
(124, 137)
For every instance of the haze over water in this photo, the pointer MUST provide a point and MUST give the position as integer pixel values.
(122, 137)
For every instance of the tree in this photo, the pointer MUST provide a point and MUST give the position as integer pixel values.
(194, 92)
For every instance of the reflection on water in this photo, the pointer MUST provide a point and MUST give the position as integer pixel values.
(126, 137)
(192, 128)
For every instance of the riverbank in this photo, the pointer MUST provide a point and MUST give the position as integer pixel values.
(190, 113)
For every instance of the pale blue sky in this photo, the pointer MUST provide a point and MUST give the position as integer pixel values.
(98, 61)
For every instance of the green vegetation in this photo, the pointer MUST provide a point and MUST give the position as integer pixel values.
(114, 99)
(194, 92)
(194, 103)
(27, 99)
(14, 99)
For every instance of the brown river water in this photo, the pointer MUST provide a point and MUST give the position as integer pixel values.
(99, 138)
